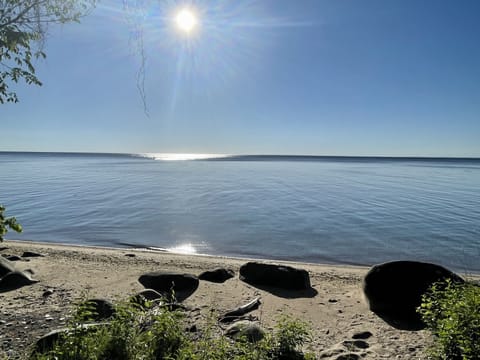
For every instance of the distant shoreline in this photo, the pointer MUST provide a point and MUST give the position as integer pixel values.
(258, 157)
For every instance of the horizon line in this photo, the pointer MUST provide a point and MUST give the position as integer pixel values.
(221, 156)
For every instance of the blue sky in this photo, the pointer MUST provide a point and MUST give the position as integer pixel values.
(313, 77)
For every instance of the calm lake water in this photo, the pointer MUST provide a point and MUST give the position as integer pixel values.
(314, 209)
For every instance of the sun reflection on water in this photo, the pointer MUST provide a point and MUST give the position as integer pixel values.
(183, 157)
(183, 249)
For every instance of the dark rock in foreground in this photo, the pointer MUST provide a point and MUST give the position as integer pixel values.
(13, 258)
(218, 275)
(31, 254)
(180, 286)
(5, 266)
(15, 280)
(281, 276)
(394, 290)
(48, 341)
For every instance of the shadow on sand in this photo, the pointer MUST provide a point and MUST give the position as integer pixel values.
(284, 293)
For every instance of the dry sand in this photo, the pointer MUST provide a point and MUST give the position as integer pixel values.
(74, 273)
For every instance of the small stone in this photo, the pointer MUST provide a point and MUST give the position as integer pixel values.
(362, 335)
(245, 330)
(332, 300)
(349, 356)
(130, 255)
(360, 344)
(31, 254)
(192, 328)
(47, 293)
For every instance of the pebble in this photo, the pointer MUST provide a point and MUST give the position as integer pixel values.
(47, 292)
(362, 335)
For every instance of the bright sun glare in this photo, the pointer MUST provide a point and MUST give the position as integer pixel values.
(186, 20)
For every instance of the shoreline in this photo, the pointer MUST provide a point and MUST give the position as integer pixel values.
(463, 272)
(154, 250)
(335, 312)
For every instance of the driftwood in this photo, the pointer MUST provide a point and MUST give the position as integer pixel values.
(232, 315)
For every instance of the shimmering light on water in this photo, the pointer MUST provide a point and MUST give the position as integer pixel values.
(183, 249)
(183, 157)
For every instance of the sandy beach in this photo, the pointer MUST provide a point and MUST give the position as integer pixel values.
(74, 273)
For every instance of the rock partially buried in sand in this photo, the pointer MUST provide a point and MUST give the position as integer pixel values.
(181, 286)
(31, 254)
(15, 280)
(246, 330)
(5, 266)
(280, 276)
(218, 275)
(48, 341)
(144, 297)
(149, 295)
(394, 290)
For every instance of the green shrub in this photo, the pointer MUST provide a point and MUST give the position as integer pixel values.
(452, 312)
(135, 333)
(289, 335)
(7, 223)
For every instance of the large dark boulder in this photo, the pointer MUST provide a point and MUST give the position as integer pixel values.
(280, 276)
(5, 266)
(179, 286)
(218, 275)
(15, 279)
(394, 290)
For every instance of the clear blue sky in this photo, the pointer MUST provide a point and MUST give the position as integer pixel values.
(336, 77)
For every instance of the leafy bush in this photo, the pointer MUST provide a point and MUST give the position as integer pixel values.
(155, 333)
(289, 335)
(452, 312)
(6, 223)
(133, 333)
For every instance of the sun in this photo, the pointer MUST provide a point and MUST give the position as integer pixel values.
(186, 20)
